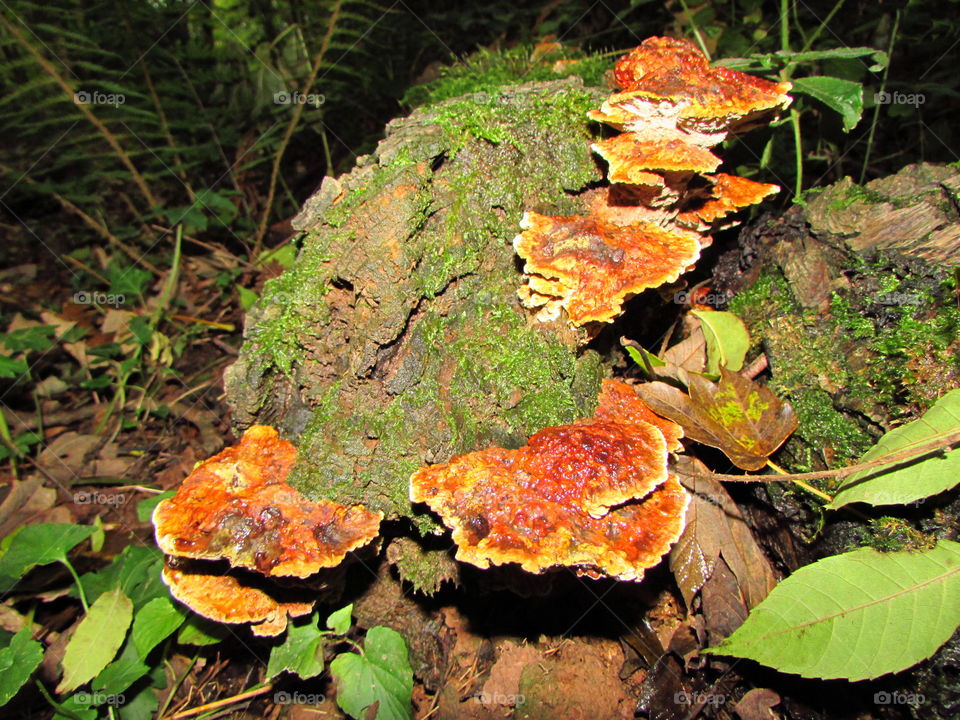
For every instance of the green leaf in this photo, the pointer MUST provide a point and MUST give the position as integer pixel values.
(35, 337)
(136, 571)
(727, 339)
(301, 651)
(200, 631)
(97, 639)
(856, 616)
(146, 506)
(38, 544)
(247, 297)
(382, 674)
(909, 480)
(843, 96)
(154, 622)
(127, 281)
(10, 368)
(123, 672)
(339, 621)
(17, 662)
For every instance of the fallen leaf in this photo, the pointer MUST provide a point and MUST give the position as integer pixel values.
(743, 419)
(25, 500)
(68, 459)
(715, 527)
(756, 704)
(724, 609)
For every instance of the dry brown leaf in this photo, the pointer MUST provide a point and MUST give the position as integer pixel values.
(743, 419)
(724, 609)
(715, 528)
(24, 500)
(66, 460)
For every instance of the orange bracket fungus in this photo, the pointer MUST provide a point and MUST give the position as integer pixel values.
(238, 506)
(225, 599)
(672, 107)
(596, 494)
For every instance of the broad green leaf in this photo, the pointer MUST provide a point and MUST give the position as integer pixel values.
(843, 96)
(909, 480)
(339, 621)
(17, 662)
(136, 571)
(381, 674)
(200, 631)
(856, 616)
(727, 339)
(142, 706)
(76, 706)
(301, 651)
(97, 639)
(36, 545)
(36, 337)
(146, 506)
(154, 622)
(120, 674)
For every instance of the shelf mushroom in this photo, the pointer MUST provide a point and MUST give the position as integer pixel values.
(595, 495)
(672, 106)
(238, 507)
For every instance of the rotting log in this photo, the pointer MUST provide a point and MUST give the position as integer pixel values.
(397, 338)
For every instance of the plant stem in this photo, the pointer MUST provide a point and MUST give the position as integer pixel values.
(876, 105)
(76, 579)
(805, 485)
(696, 30)
(252, 693)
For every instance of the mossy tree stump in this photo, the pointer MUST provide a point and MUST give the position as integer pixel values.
(397, 338)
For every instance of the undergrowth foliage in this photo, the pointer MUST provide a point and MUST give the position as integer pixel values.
(193, 103)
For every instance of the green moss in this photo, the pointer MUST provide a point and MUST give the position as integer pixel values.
(823, 426)
(487, 115)
(889, 534)
(489, 71)
(852, 193)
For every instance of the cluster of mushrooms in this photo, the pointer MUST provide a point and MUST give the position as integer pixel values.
(595, 495)
(649, 224)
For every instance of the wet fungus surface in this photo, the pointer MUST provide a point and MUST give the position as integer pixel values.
(595, 495)
(238, 506)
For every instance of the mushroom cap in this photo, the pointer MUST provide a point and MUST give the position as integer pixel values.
(237, 505)
(729, 194)
(677, 70)
(225, 599)
(631, 157)
(549, 502)
(590, 265)
(668, 86)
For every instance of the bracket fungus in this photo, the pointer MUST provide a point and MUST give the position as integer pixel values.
(672, 107)
(595, 495)
(226, 599)
(238, 506)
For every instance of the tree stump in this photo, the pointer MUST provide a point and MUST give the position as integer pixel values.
(397, 339)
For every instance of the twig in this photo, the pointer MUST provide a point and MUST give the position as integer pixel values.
(911, 452)
(221, 703)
